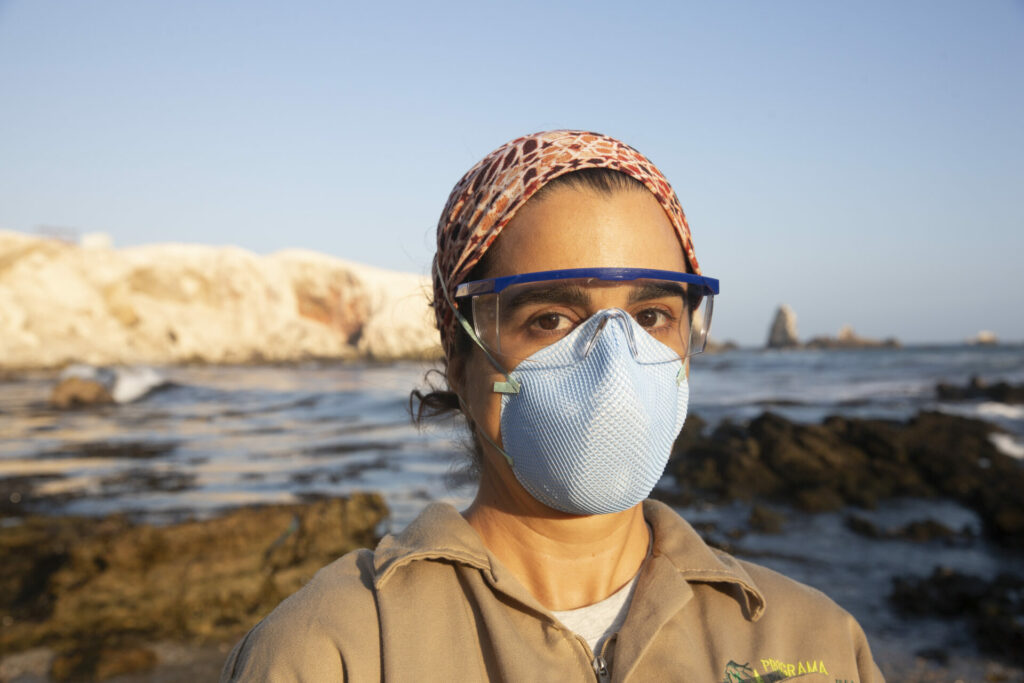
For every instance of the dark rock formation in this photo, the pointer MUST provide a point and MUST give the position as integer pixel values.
(846, 461)
(919, 531)
(848, 339)
(782, 334)
(97, 591)
(977, 388)
(75, 392)
(766, 520)
(994, 609)
(713, 346)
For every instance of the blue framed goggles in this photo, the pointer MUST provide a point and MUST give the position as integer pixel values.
(708, 285)
(516, 316)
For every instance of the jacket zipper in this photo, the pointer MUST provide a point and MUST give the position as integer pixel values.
(600, 664)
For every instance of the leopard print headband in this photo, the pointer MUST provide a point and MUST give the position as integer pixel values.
(488, 196)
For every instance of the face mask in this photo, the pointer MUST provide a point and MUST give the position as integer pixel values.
(591, 427)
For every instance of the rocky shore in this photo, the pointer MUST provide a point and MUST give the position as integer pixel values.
(846, 463)
(978, 389)
(106, 598)
(88, 599)
(63, 303)
(857, 462)
(992, 610)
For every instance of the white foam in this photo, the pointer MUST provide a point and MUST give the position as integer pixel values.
(134, 383)
(1008, 445)
(57, 487)
(993, 409)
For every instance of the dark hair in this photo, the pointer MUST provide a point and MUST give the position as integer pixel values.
(439, 400)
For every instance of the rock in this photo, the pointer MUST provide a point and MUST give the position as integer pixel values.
(766, 520)
(976, 388)
(98, 662)
(714, 346)
(173, 303)
(850, 461)
(109, 585)
(923, 531)
(782, 334)
(864, 527)
(74, 392)
(994, 609)
(918, 531)
(848, 339)
(819, 499)
(984, 338)
(81, 384)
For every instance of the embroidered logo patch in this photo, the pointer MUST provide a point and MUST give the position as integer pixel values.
(772, 670)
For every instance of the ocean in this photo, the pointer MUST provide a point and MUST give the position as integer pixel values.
(225, 436)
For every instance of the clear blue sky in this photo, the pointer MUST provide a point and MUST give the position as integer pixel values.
(863, 162)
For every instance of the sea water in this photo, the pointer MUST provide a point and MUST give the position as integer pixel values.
(222, 436)
(225, 436)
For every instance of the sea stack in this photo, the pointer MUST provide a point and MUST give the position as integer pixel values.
(782, 334)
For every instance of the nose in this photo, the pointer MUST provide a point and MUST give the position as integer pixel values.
(621, 318)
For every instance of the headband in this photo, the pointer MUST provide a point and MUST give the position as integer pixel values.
(489, 195)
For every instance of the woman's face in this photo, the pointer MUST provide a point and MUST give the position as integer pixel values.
(566, 228)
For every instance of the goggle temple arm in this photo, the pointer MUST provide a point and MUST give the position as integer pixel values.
(510, 385)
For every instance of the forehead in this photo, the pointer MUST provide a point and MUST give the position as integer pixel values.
(585, 291)
(581, 228)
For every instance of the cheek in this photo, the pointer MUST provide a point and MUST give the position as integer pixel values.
(478, 393)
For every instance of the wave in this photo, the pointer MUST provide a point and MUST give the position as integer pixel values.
(1003, 410)
(1008, 445)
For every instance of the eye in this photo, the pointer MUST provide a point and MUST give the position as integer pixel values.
(651, 317)
(551, 322)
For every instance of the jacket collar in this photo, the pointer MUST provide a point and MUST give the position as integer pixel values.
(438, 533)
(441, 533)
(676, 541)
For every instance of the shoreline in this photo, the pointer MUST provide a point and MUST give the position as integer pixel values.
(251, 432)
(196, 649)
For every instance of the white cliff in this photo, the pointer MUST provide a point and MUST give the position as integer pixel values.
(61, 303)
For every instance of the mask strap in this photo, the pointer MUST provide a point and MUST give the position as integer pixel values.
(465, 409)
(511, 384)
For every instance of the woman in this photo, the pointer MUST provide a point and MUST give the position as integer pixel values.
(569, 300)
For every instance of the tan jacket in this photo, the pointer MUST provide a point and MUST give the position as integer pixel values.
(432, 604)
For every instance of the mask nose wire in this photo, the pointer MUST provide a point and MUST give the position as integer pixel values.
(605, 317)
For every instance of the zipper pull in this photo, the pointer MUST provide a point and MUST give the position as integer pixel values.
(601, 668)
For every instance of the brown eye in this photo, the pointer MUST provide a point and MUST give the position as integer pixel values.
(649, 317)
(549, 322)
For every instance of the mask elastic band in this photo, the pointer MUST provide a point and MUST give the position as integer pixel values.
(511, 384)
(465, 409)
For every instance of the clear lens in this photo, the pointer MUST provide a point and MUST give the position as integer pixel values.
(701, 323)
(525, 318)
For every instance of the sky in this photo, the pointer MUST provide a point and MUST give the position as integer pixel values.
(860, 162)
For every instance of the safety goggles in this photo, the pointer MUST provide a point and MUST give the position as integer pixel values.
(516, 316)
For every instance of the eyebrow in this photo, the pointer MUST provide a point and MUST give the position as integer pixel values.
(569, 295)
(656, 290)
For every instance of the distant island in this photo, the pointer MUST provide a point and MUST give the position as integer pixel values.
(782, 334)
